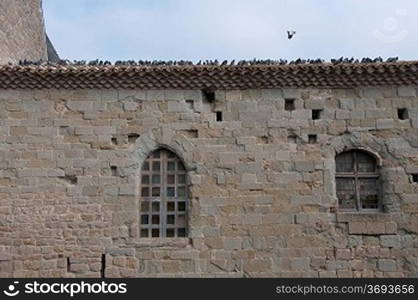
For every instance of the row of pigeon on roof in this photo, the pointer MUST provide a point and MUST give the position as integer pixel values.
(299, 61)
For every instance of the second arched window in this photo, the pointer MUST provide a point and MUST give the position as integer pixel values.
(357, 181)
(164, 196)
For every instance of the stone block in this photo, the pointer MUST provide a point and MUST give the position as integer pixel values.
(301, 114)
(80, 106)
(251, 94)
(252, 219)
(305, 199)
(413, 113)
(195, 95)
(120, 251)
(233, 95)
(56, 173)
(4, 256)
(258, 116)
(34, 172)
(314, 104)
(300, 264)
(390, 241)
(327, 274)
(257, 265)
(130, 106)
(220, 178)
(347, 103)
(290, 93)
(272, 94)
(343, 254)
(128, 190)
(410, 198)
(123, 94)
(357, 114)
(376, 227)
(90, 190)
(228, 157)
(342, 114)
(195, 179)
(387, 265)
(357, 227)
(18, 130)
(407, 91)
(385, 123)
(174, 95)
(155, 95)
(305, 166)
(232, 243)
(177, 106)
(283, 155)
(372, 92)
(378, 114)
(412, 169)
(391, 227)
(79, 268)
(249, 178)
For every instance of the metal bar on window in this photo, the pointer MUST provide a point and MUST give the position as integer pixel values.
(164, 196)
(362, 179)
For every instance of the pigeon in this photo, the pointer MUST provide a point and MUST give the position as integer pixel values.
(290, 34)
(392, 59)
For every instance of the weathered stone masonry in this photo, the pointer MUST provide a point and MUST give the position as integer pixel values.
(262, 194)
(22, 32)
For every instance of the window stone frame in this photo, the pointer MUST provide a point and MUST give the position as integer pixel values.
(378, 149)
(156, 205)
(357, 176)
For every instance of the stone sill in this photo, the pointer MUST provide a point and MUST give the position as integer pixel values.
(369, 216)
(368, 223)
(161, 242)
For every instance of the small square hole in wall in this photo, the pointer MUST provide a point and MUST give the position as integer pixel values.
(190, 104)
(114, 170)
(312, 138)
(292, 139)
(190, 133)
(68, 264)
(289, 104)
(132, 137)
(114, 141)
(415, 178)
(403, 114)
(219, 117)
(209, 95)
(316, 114)
(71, 179)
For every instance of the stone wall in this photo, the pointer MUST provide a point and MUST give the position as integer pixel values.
(262, 193)
(22, 32)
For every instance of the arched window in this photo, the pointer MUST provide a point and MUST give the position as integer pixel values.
(357, 181)
(164, 196)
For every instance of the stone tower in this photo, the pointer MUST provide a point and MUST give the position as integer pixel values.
(22, 32)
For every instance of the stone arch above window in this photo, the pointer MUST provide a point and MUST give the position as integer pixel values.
(164, 196)
(357, 181)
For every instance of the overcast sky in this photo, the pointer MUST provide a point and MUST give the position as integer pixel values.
(232, 29)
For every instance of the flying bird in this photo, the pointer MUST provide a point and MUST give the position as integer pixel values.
(290, 34)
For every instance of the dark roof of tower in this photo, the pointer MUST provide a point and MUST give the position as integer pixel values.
(51, 52)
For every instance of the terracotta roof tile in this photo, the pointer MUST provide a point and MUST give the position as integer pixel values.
(325, 75)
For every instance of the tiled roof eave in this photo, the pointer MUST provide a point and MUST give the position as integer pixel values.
(200, 77)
